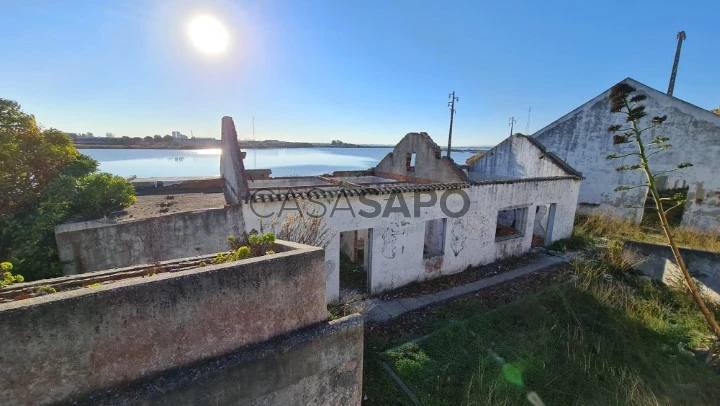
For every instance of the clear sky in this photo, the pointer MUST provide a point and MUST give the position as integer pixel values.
(360, 71)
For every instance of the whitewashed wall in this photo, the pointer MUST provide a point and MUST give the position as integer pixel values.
(515, 157)
(397, 240)
(582, 140)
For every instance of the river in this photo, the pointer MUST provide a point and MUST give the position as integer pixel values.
(145, 163)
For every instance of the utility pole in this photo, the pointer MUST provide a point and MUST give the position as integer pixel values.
(671, 86)
(512, 124)
(451, 104)
(527, 124)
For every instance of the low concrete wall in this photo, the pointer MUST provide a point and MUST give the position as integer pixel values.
(658, 262)
(320, 365)
(65, 345)
(96, 245)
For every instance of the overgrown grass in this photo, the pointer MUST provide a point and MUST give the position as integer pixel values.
(602, 225)
(602, 339)
(352, 275)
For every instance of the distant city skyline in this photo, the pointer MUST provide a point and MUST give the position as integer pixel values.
(362, 73)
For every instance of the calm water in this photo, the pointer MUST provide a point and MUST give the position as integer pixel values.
(145, 163)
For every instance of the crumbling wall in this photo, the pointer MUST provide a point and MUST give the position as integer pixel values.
(515, 157)
(72, 344)
(582, 140)
(97, 245)
(658, 262)
(398, 238)
(232, 169)
(430, 165)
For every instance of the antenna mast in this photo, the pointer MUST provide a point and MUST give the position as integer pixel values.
(680, 38)
(451, 103)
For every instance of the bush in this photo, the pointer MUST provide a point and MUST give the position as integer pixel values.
(7, 276)
(100, 194)
(257, 245)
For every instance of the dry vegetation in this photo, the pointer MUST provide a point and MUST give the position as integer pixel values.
(602, 225)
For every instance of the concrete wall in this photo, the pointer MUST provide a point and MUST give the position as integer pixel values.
(285, 371)
(515, 157)
(396, 250)
(96, 245)
(232, 169)
(658, 262)
(69, 344)
(582, 140)
(429, 162)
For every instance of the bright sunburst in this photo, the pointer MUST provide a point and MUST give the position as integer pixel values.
(208, 35)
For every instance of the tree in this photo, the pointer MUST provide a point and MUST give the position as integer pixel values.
(148, 138)
(716, 111)
(45, 181)
(167, 138)
(157, 137)
(30, 157)
(624, 102)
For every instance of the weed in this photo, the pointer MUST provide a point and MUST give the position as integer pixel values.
(45, 290)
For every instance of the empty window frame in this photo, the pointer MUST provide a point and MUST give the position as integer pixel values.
(510, 223)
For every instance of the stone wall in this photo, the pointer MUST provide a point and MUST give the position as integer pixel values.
(69, 344)
(581, 139)
(658, 262)
(97, 245)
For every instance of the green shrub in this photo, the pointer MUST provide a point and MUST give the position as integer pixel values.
(99, 194)
(7, 276)
(257, 245)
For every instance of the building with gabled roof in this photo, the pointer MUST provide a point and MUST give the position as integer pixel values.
(417, 215)
(581, 139)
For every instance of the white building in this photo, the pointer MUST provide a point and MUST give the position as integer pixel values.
(416, 216)
(581, 139)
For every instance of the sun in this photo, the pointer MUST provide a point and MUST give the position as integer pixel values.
(208, 35)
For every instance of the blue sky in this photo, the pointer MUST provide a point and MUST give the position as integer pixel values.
(359, 71)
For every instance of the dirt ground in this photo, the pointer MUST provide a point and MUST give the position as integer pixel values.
(154, 205)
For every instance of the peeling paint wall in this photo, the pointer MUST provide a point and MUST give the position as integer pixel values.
(396, 251)
(582, 140)
(515, 157)
(429, 162)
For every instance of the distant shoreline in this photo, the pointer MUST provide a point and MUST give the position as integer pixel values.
(256, 145)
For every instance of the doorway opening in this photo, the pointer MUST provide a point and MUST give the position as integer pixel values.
(355, 262)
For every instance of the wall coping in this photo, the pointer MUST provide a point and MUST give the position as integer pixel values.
(134, 275)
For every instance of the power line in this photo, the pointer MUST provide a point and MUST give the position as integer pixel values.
(512, 124)
(451, 104)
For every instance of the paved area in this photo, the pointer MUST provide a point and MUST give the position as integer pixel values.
(378, 310)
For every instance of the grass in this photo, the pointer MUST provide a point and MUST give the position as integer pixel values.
(352, 276)
(601, 225)
(598, 340)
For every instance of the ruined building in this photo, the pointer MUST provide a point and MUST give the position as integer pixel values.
(582, 140)
(417, 215)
